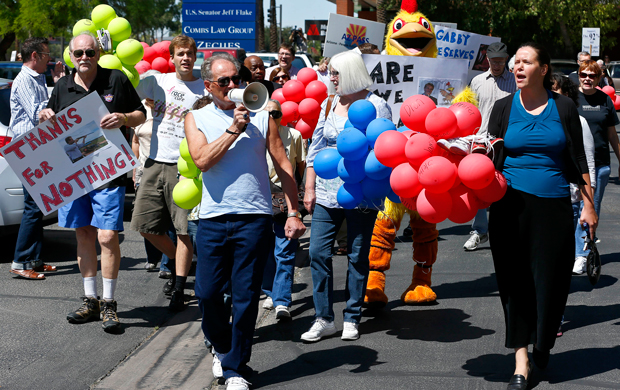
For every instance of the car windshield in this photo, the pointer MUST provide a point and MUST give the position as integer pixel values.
(566, 68)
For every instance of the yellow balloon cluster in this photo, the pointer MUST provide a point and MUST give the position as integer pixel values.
(187, 194)
(125, 52)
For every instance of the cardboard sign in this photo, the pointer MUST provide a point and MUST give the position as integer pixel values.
(458, 44)
(398, 77)
(58, 163)
(591, 40)
(346, 33)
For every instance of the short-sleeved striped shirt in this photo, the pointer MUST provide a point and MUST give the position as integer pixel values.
(490, 89)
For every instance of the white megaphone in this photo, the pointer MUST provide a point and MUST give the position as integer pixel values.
(254, 97)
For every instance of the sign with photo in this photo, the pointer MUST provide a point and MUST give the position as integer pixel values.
(398, 77)
(61, 161)
(346, 33)
(458, 44)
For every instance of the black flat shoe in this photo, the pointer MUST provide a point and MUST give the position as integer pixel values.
(541, 358)
(517, 382)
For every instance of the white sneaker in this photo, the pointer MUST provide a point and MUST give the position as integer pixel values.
(282, 312)
(217, 367)
(237, 383)
(349, 331)
(580, 265)
(475, 240)
(319, 329)
(268, 304)
(460, 146)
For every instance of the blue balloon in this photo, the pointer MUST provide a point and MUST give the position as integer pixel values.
(352, 144)
(393, 197)
(376, 127)
(348, 124)
(361, 113)
(351, 171)
(326, 163)
(376, 189)
(374, 169)
(350, 195)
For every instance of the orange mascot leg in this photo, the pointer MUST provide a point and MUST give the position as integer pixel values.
(424, 254)
(379, 258)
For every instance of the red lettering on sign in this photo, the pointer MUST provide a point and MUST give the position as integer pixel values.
(27, 174)
(32, 141)
(63, 121)
(55, 200)
(46, 167)
(110, 170)
(76, 177)
(76, 118)
(90, 175)
(14, 148)
(121, 164)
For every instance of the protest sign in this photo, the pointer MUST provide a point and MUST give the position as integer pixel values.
(396, 78)
(591, 40)
(458, 44)
(345, 33)
(58, 163)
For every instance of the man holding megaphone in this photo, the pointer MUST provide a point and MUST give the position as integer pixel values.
(227, 141)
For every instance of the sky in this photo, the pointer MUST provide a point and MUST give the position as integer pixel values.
(295, 12)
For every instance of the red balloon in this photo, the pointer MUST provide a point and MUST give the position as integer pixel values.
(306, 75)
(149, 54)
(409, 133)
(468, 118)
(419, 147)
(432, 207)
(437, 174)
(404, 181)
(171, 68)
(494, 191)
(414, 110)
(290, 112)
(294, 90)
(160, 65)
(464, 204)
(617, 103)
(441, 123)
(277, 95)
(455, 159)
(162, 50)
(476, 171)
(144, 44)
(316, 90)
(305, 129)
(409, 203)
(390, 148)
(483, 205)
(309, 109)
(610, 91)
(142, 67)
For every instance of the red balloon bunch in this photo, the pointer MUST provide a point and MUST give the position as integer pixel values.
(156, 57)
(301, 101)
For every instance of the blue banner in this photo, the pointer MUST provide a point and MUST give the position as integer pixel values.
(219, 12)
(220, 30)
(249, 45)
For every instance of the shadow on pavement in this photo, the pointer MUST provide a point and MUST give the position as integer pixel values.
(477, 288)
(582, 315)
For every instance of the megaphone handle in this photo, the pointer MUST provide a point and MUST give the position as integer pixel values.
(244, 128)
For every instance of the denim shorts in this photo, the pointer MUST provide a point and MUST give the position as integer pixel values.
(102, 209)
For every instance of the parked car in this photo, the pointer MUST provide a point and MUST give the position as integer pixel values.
(203, 54)
(10, 69)
(564, 66)
(614, 71)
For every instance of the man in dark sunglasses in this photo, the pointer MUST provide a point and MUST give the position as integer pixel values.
(97, 215)
(228, 145)
(174, 95)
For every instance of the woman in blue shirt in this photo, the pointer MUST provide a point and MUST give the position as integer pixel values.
(531, 228)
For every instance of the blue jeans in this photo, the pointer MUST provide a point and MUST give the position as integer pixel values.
(602, 178)
(192, 230)
(325, 225)
(30, 237)
(232, 250)
(480, 224)
(280, 268)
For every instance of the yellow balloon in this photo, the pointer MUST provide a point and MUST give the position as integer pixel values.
(67, 57)
(110, 61)
(102, 15)
(187, 168)
(184, 150)
(84, 25)
(187, 194)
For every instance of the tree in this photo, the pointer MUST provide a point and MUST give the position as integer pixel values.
(152, 19)
(273, 29)
(260, 15)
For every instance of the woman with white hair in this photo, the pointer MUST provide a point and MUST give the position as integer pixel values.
(349, 82)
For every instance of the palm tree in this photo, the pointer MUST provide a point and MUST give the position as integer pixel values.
(273, 29)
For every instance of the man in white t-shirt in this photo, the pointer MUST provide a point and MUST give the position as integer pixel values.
(173, 95)
(286, 55)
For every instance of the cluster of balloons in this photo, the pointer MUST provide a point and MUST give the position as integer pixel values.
(366, 179)
(301, 101)
(611, 92)
(125, 53)
(156, 57)
(437, 183)
(187, 194)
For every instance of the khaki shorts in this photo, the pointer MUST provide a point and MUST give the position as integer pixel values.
(154, 208)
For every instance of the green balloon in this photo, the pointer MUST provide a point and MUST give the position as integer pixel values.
(187, 168)
(110, 61)
(84, 25)
(184, 150)
(119, 29)
(132, 74)
(130, 51)
(187, 194)
(102, 15)
(67, 57)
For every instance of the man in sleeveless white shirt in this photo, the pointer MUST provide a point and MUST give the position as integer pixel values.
(235, 234)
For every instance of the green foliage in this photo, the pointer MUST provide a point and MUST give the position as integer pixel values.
(147, 18)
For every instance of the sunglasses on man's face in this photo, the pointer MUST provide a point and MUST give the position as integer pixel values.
(89, 53)
(275, 114)
(225, 81)
(590, 76)
(283, 77)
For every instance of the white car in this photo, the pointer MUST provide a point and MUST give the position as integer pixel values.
(301, 60)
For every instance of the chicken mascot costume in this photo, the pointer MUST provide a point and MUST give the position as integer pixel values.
(409, 34)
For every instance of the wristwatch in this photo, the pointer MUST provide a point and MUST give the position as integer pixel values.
(296, 214)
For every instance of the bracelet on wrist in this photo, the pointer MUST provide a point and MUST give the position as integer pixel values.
(232, 132)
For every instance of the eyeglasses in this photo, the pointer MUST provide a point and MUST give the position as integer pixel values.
(225, 81)
(334, 73)
(44, 53)
(90, 53)
(497, 63)
(275, 114)
(283, 77)
(591, 76)
(284, 54)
